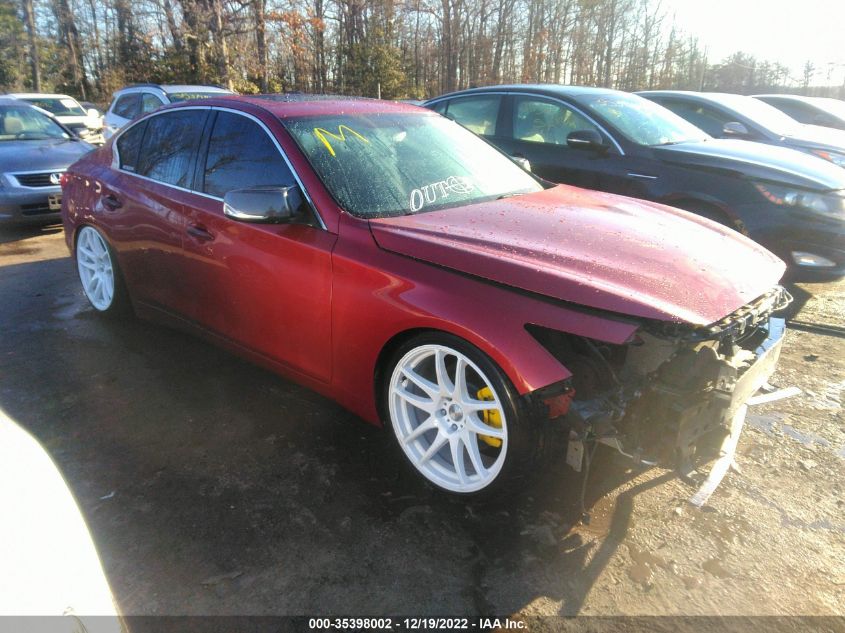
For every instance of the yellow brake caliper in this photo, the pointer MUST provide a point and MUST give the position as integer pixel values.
(490, 418)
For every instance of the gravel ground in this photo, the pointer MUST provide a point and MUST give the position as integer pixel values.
(235, 492)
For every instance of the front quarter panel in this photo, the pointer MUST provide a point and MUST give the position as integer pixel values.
(379, 295)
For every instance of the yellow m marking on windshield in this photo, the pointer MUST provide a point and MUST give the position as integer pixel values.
(323, 135)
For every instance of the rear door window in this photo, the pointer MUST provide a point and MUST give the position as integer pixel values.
(241, 155)
(127, 105)
(801, 112)
(708, 119)
(477, 113)
(440, 107)
(169, 146)
(150, 102)
(129, 146)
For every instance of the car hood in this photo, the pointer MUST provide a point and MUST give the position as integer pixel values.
(40, 155)
(818, 137)
(594, 249)
(74, 121)
(758, 161)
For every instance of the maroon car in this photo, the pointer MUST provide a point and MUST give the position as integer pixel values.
(390, 259)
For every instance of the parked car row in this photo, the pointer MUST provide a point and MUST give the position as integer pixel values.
(735, 116)
(404, 265)
(659, 149)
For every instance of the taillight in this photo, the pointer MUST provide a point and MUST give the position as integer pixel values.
(64, 179)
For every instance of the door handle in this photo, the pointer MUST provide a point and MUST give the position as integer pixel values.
(111, 202)
(200, 232)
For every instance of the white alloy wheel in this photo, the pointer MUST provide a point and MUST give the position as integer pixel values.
(96, 270)
(438, 416)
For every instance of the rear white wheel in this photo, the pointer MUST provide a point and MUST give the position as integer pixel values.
(98, 271)
(450, 416)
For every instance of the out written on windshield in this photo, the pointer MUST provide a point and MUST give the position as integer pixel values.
(428, 194)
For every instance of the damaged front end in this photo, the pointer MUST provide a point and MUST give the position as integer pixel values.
(671, 394)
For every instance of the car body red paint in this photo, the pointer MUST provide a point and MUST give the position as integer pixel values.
(322, 305)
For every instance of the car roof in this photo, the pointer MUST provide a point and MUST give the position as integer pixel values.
(783, 96)
(545, 89)
(10, 100)
(171, 88)
(300, 105)
(168, 88)
(176, 88)
(815, 101)
(39, 95)
(725, 98)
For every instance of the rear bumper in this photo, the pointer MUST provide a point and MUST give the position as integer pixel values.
(33, 206)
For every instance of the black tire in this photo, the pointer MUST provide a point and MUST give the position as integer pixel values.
(119, 304)
(523, 441)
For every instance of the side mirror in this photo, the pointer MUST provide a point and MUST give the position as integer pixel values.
(585, 139)
(93, 113)
(735, 129)
(263, 204)
(522, 162)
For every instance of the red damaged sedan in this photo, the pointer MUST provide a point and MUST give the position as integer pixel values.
(390, 259)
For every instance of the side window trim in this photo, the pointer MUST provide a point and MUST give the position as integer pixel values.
(201, 155)
(504, 124)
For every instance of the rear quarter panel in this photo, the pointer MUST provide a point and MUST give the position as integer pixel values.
(85, 179)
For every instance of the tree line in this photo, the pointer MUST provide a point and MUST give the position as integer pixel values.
(387, 48)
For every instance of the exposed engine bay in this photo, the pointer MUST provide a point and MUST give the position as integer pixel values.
(670, 394)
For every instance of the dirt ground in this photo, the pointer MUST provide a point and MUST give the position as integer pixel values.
(213, 487)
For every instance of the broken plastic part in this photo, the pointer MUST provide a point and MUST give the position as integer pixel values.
(559, 405)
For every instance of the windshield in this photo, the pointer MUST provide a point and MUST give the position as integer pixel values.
(396, 164)
(642, 121)
(23, 123)
(763, 114)
(60, 106)
(187, 96)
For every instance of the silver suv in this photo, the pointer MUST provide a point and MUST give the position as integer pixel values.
(133, 101)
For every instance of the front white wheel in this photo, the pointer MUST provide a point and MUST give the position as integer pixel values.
(98, 271)
(449, 416)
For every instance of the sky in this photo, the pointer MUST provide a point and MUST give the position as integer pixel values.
(789, 31)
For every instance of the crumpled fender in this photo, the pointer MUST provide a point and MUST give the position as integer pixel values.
(372, 307)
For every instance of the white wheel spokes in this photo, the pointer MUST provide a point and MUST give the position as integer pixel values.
(95, 268)
(440, 421)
